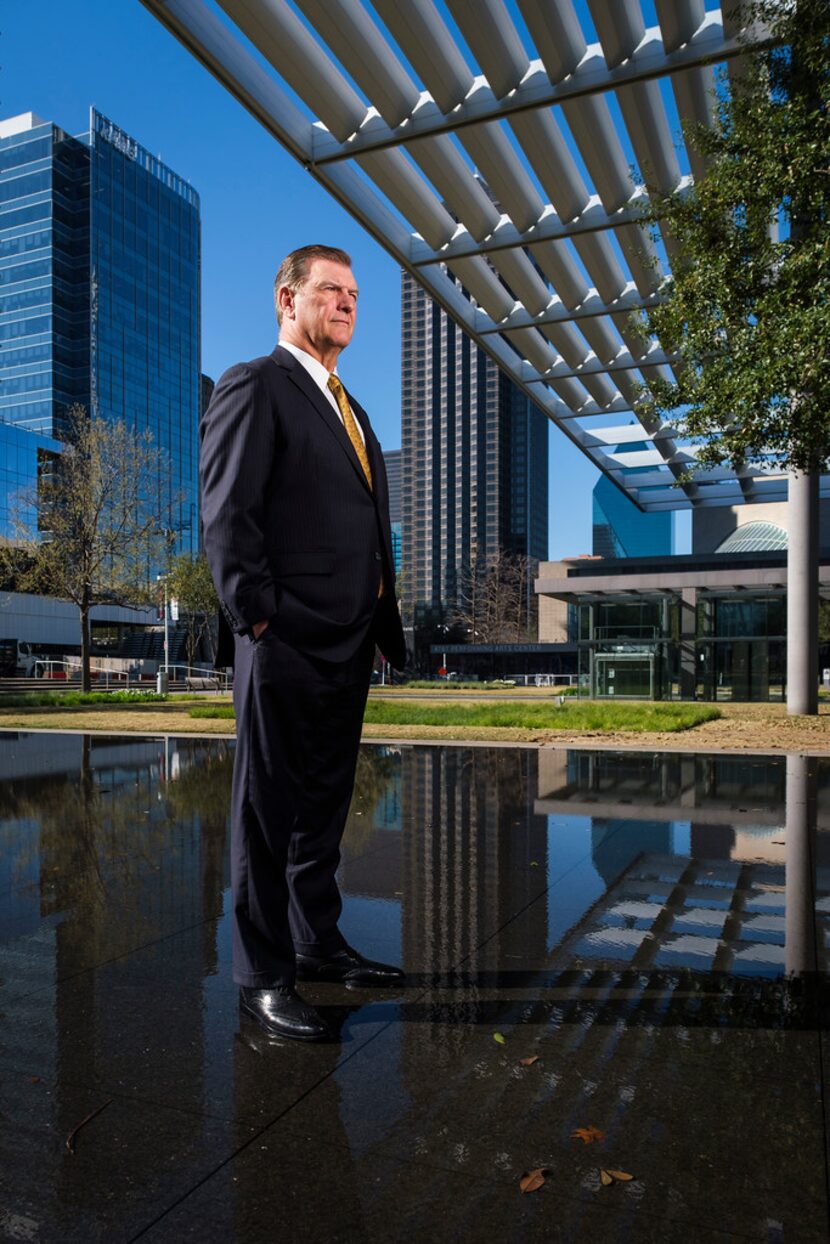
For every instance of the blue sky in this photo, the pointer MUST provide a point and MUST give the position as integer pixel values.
(61, 56)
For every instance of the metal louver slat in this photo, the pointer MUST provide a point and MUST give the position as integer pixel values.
(455, 152)
(399, 180)
(284, 41)
(493, 40)
(523, 280)
(460, 191)
(425, 40)
(352, 35)
(490, 150)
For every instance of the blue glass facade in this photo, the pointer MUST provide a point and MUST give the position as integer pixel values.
(144, 309)
(99, 296)
(621, 530)
(44, 277)
(392, 458)
(396, 546)
(22, 454)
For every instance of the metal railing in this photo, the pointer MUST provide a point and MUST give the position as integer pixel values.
(48, 670)
(543, 680)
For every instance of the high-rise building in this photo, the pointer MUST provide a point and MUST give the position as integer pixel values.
(474, 458)
(206, 386)
(99, 302)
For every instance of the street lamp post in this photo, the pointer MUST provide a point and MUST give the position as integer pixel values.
(163, 681)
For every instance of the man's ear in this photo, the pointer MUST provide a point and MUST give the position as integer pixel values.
(285, 300)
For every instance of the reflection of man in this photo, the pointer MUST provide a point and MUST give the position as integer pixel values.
(296, 530)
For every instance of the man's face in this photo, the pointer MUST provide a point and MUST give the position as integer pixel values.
(319, 316)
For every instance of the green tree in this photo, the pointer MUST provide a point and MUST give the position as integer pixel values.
(92, 532)
(747, 309)
(190, 582)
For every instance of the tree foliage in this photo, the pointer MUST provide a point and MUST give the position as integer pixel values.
(747, 308)
(92, 532)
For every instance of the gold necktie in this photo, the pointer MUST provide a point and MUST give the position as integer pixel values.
(354, 436)
(351, 427)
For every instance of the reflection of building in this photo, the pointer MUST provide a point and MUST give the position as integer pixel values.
(707, 625)
(620, 529)
(98, 821)
(22, 457)
(118, 853)
(610, 850)
(474, 457)
(475, 854)
(720, 790)
(99, 301)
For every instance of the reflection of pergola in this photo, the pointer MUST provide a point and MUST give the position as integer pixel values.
(513, 156)
(671, 912)
(760, 912)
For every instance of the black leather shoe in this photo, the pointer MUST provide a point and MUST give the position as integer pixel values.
(281, 1012)
(349, 967)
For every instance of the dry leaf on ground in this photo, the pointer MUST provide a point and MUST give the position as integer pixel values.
(528, 1062)
(605, 1178)
(532, 1180)
(622, 1177)
(587, 1134)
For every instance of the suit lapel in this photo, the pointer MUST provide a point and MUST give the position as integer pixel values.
(300, 377)
(372, 447)
(381, 491)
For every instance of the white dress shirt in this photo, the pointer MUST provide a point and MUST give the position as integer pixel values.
(320, 377)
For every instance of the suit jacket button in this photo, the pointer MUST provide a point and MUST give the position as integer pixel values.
(377, 557)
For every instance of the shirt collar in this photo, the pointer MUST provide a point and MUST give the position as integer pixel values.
(313, 366)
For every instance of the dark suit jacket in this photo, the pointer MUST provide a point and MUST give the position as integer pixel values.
(292, 531)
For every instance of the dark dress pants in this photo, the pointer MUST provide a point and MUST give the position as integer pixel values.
(298, 722)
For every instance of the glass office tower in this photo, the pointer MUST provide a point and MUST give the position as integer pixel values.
(44, 274)
(392, 458)
(99, 298)
(621, 530)
(474, 459)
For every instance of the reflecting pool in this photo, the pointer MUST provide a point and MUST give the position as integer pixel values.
(648, 932)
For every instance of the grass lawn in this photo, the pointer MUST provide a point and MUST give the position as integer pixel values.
(569, 716)
(69, 699)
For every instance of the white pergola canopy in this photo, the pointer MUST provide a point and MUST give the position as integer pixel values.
(503, 149)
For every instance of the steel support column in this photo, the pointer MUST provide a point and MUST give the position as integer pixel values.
(802, 592)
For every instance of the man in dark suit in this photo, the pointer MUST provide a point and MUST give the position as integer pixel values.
(296, 529)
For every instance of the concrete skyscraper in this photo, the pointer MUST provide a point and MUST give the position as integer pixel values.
(474, 459)
(99, 302)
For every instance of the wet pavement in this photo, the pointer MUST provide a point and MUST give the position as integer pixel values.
(616, 961)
